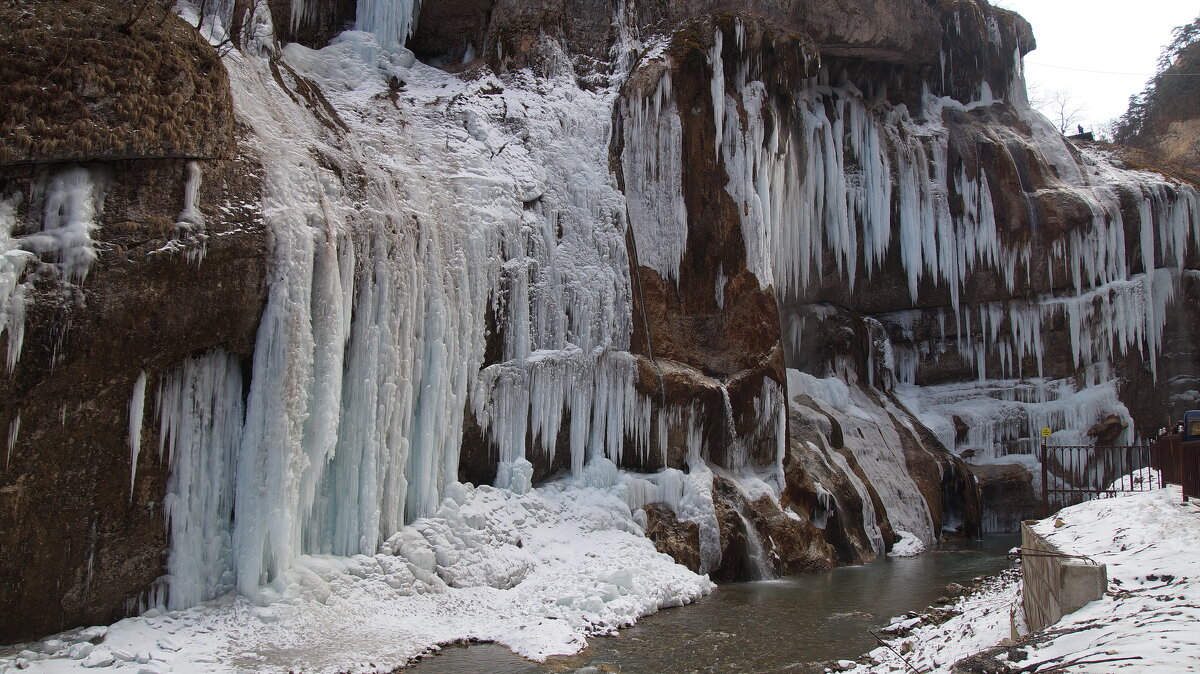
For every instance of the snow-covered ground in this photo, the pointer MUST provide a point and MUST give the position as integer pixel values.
(1148, 620)
(538, 572)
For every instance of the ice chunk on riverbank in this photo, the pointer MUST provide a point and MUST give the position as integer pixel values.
(908, 545)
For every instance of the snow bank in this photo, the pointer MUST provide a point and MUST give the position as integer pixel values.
(1150, 617)
(539, 573)
(908, 545)
(1147, 620)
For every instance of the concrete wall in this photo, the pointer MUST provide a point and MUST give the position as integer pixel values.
(1055, 586)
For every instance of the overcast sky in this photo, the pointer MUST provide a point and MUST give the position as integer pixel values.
(1121, 38)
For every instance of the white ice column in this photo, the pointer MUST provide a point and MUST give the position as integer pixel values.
(200, 420)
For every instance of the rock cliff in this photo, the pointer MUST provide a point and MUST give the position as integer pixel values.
(784, 263)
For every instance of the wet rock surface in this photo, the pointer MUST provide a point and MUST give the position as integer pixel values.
(679, 539)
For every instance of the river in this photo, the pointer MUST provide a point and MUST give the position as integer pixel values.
(765, 626)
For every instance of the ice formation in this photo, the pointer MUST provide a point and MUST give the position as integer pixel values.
(14, 432)
(832, 186)
(137, 406)
(12, 287)
(391, 21)
(371, 348)
(72, 202)
(200, 417)
(67, 206)
(869, 432)
(477, 270)
(653, 170)
(189, 236)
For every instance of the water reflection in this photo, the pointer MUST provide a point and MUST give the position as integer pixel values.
(780, 625)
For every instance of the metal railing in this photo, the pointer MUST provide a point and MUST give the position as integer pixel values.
(1178, 460)
(1073, 474)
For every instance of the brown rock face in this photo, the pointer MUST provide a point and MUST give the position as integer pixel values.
(836, 504)
(735, 529)
(83, 82)
(1007, 494)
(787, 545)
(446, 30)
(81, 543)
(513, 32)
(796, 545)
(671, 536)
(734, 338)
(321, 23)
(1107, 429)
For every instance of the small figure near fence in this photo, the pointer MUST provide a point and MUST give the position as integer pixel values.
(1177, 455)
(1191, 425)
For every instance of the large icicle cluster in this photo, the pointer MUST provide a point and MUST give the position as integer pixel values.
(653, 170)
(384, 296)
(999, 414)
(200, 417)
(837, 187)
(855, 176)
(391, 21)
(858, 164)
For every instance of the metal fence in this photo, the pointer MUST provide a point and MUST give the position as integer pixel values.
(1073, 474)
(1179, 462)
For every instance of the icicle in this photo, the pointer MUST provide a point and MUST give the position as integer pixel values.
(653, 170)
(391, 21)
(200, 415)
(719, 289)
(72, 204)
(189, 226)
(717, 63)
(14, 430)
(191, 196)
(137, 404)
(12, 289)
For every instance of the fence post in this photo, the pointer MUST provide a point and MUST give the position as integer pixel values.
(1187, 469)
(1045, 485)
(1177, 445)
(1128, 470)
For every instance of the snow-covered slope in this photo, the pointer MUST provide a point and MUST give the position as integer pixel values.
(1145, 620)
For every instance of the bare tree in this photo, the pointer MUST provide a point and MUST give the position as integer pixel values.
(139, 7)
(1059, 106)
